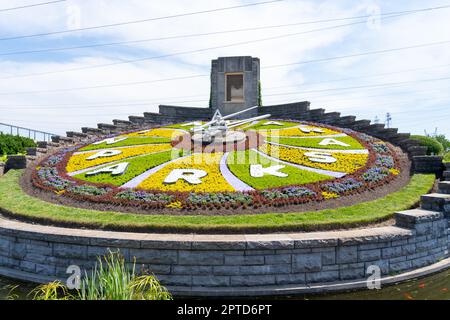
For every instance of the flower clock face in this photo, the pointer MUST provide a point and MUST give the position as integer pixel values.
(264, 163)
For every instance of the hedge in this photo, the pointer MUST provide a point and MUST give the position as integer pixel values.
(434, 146)
(11, 145)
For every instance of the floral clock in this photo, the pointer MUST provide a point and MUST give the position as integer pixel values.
(275, 163)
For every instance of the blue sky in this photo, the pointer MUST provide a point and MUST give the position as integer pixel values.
(410, 84)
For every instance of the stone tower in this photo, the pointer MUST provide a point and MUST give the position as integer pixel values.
(235, 84)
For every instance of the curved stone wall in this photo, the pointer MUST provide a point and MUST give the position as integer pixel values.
(238, 265)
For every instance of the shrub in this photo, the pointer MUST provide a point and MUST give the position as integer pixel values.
(434, 146)
(444, 141)
(447, 157)
(10, 145)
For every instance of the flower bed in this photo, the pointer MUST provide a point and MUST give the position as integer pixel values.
(315, 142)
(362, 172)
(346, 162)
(81, 161)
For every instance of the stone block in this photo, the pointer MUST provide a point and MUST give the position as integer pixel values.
(324, 276)
(154, 256)
(369, 255)
(352, 274)
(64, 250)
(210, 281)
(198, 258)
(347, 254)
(408, 249)
(192, 270)
(426, 245)
(298, 278)
(244, 260)
(252, 280)
(391, 252)
(278, 259)
(45, 269)
(265, 269)
(400, 266)
(309, 262)
(226, 270)
(175, 280)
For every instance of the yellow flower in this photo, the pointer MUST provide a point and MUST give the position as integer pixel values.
(79, 161)
(298, 132)
(165, 133)
(346, 162)
(175, 205)
(60, 192)
(330, 195)
(395, 172)
(208, 162)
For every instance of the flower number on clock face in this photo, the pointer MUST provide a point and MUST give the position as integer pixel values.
(320, 157)
(104, 154)
(257, 171)
(114, 170)
(329, 141)
(110, 141)
(191, 176)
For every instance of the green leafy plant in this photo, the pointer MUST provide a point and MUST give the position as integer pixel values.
(434, 146)
(51, 291)
(443, 140)
(11, 145)
(111, 279)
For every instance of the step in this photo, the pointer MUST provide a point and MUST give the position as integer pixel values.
(444, 187)
(446, 175)
(91, 131)
(409, 218)
(73, 134)
(435, 201)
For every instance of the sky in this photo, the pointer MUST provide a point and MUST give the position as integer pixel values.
(354, 57)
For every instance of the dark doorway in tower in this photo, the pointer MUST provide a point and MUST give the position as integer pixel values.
(235, 87)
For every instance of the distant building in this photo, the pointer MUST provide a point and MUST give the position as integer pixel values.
(235, 84)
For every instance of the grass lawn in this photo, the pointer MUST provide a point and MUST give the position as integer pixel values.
(240, 162)
(18, 204)
(314, 143)
(128, 142)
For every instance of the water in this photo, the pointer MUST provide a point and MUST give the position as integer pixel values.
(435, 287)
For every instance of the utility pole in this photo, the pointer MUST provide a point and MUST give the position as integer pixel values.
(388, 120)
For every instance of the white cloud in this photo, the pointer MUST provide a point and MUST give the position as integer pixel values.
(398, 32)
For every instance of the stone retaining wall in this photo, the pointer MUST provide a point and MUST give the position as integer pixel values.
(206, 265)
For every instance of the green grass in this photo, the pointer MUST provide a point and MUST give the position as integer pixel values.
(136, 167)
(181, 126)
(239, 164)
(16, 203)
(261, 126)
(314, 143)
(447, 157)
(134, 141)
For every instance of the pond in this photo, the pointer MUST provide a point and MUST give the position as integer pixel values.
(435, 287)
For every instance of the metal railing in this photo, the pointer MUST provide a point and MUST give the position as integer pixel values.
(36, 135)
